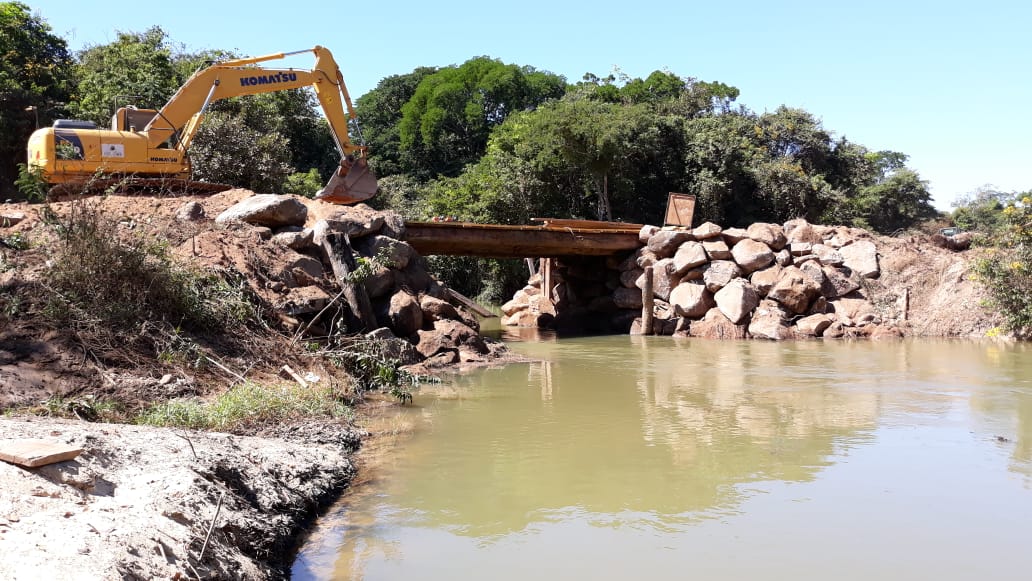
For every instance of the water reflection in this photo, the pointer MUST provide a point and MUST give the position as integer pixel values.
(648, 438)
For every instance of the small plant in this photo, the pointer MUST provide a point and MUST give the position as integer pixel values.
(86, 408)
(31, 182)
(374, 370)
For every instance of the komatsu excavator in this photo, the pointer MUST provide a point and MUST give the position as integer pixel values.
(146, 148)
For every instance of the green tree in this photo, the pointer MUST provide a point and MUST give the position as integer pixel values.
(379, 112)
(35, 71)
(982, 210)
(446, 123)
(226, 150)
(135, 69)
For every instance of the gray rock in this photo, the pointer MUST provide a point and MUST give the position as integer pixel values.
(266, 210)
(706, 231)
(720, 272)
(395, 253)
(800, 248)
(380, 282)
(770, 234)
(716, 249)
(828, 255)
(838, 283)
(769, 322)
(689, 255)
(188, 212)
(715, 325)
(646, 258)
(794, 290)
(404, 313)
(691, 299)
(737, 299)
(394, 347)
(664, 279)
(665, 242)
(813, 326)
(752, 255)
(300, 270)
(861, 257)
(646, 232)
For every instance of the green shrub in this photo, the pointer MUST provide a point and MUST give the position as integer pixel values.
(1007, 269)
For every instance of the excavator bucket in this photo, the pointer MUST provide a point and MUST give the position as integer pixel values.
(352, 182)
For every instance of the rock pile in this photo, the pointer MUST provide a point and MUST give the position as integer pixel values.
(353, 258)
(768, 281)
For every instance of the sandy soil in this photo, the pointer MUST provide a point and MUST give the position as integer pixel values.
(138, 502)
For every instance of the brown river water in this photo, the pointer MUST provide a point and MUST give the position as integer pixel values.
(656, 458)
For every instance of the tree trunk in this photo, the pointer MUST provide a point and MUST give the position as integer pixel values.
(337, 248)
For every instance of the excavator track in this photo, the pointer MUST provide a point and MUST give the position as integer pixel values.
(131, 186)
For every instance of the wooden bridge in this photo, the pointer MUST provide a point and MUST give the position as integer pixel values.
(553, 238)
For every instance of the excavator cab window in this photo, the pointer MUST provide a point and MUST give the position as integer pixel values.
(131, 119)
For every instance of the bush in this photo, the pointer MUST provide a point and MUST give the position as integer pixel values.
(1007, 270)
(96, 277)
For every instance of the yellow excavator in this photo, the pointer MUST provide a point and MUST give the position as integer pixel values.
(147, 149)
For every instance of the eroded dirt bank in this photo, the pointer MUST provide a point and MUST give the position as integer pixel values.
(138, 502)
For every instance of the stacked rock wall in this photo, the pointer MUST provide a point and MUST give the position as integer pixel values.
(414, 317)
(768, 281)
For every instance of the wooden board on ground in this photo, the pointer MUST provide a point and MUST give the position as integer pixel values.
(33, 453)
(680, 210)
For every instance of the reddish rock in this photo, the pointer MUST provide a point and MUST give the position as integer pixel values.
(715, 325)
(706, 231)
(861, 257)
(764, 280)
(716, 249)
(435, 309)
(405, 315)
(666, 242)
(769, 321)
(794, 290)
(646, 232)
(814, 325)
(688, 256)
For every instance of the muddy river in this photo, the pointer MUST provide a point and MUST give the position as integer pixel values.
(656, 458)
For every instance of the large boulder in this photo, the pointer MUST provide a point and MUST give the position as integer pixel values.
(861, 257)
(449, 335)
(627, 298)
(715, 325)
(838, 282)
(706, 231)
(435, 309)
(665, 242)
(734, 235)
(770, 234)
(828, 255)
(794, 290)
(752, 255)
(737, 300)
(266, 210)
(646, 232)
(689, 255)
(691, 299)
(799, 230)
(188, 212)
(394, 347)
(764, 280)
(716, 249)
(519, 301)
(718, 273)
(814, 325)
(769, 322)
(395, 253)
(299, 270)
(405, 314)
(664, 279)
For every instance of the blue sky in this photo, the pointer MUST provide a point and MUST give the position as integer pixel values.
(948, 83)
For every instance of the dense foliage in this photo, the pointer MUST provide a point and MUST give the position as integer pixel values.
(1003, 222)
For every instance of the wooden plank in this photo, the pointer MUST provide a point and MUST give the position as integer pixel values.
(32, 453)
(586, 224)
(469, 303)
(516, 241)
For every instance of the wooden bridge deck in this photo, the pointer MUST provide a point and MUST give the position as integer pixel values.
(551, 239)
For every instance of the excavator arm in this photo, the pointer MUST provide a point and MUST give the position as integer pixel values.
(180, 118)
